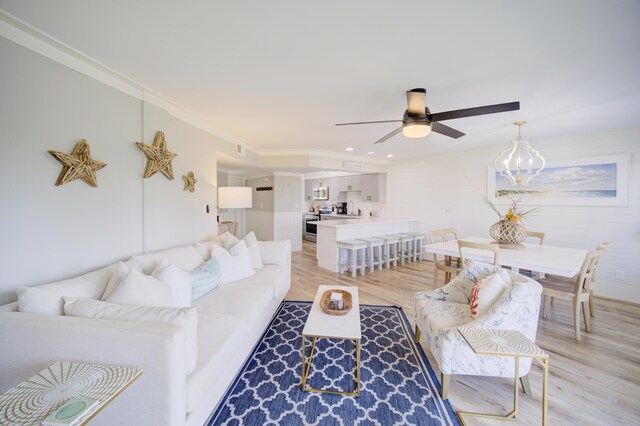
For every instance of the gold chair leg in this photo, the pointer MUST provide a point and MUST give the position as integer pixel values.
(445, 380)
(576, 318)
(592, 312)
(417, 334)
(526, 386)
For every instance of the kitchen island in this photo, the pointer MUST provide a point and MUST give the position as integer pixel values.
(331, 231)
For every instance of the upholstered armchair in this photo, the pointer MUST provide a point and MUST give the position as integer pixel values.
(440, 312)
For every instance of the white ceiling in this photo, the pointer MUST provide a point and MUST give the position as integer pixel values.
(279, 74)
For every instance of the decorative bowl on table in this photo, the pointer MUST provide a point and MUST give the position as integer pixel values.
(325, 302)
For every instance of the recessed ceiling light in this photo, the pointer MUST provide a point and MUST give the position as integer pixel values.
(370, 152)
(348, 148)
(389, 155)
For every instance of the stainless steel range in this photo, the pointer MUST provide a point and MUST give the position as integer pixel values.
(310, 230)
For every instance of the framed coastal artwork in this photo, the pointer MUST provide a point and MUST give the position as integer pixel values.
(592, 181)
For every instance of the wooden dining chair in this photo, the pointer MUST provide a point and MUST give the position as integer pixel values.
(450, 264)
(493, 248)
(540, 237)
(579, 290)
(603, 247)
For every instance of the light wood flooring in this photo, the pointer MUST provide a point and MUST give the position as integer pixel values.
(594, 382)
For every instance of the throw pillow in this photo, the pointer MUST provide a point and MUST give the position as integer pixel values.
(186, 258)
(139, 289)
(204, 248)
(235, 264)
(254, 250)
(120, 271)
(47, 298)
(205, 279)
(486, 292)
(182, 317)
(229, 240)
(179, 282)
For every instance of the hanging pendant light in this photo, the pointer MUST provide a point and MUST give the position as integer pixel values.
(519, 163)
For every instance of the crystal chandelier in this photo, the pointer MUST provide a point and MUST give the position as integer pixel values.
(519, 163)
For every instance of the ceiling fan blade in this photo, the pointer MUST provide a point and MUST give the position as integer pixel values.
(446, 130)
(470, 112)
(390, 135)
(369, 122)
(415, 101)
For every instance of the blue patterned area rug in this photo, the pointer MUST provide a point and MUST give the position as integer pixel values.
(399, 386)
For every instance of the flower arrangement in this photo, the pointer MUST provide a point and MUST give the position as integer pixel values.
(515, 213)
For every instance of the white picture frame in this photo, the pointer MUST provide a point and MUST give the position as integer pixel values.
(589, 181)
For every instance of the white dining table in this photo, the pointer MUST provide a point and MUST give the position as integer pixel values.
(562, 261)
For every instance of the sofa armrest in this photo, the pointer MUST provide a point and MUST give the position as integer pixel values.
(32, 342)
(275, 252)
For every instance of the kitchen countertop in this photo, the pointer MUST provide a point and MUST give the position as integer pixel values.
(341, 216)
(359, 220)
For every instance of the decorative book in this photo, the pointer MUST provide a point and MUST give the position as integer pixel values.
(72, 413)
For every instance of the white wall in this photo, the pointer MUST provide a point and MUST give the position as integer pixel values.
(51, 232)
(446, 191)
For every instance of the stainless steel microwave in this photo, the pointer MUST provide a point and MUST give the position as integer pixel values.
(321, 193)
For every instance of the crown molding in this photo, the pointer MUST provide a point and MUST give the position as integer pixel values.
(30, 37)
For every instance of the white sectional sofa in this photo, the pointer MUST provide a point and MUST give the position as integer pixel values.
(231, 318)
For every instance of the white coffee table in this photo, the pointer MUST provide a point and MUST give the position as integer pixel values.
(322, 325)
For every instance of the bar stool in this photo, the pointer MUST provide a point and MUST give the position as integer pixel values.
(406, 247)
(390, 249)
(419, 239)
(374, 252)
(352, 249)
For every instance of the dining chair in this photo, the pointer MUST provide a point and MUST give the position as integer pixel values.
(493, 248)
(450, 264)
(603, 247)
(579, 289)
(540, 237)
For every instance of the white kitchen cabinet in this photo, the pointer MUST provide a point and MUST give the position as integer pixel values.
(334, 189)
(374, 187)
(350, 183)
(308, 189)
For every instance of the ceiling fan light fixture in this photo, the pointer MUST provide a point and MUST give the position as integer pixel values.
(519, 163)
(416, 129)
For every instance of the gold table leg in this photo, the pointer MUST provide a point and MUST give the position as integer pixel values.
(306, 368)
(514, 413)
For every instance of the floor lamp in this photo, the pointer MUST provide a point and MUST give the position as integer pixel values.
(235, 197)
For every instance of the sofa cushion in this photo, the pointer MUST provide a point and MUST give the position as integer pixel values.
(274, 276)
(248, 301)
(181, 317)
(275, 252)
(47, 298)
(219, 338)
(186, 258)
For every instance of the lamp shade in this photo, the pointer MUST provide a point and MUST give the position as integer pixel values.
(235, 197)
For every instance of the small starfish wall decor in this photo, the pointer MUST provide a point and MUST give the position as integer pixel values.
(190, 182)
(159, 157)
(78, 165)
